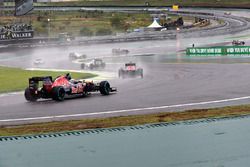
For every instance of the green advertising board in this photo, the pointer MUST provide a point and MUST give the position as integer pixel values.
(218, 50)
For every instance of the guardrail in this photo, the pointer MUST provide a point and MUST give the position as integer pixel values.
(50, 42)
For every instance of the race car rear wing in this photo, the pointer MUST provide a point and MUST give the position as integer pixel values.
(34, 81)
(37, 79)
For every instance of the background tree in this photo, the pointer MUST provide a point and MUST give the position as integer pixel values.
(103, 31)
(86, 32)
(117, 22)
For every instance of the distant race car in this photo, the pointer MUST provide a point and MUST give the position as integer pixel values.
(93, 64)
(130, 70)
(38, 61)
(238, 43)
(74, 56)
(61, 86)
(120, 51)
(227, 13)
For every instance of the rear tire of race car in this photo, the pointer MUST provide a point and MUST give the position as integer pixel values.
(58, 93)
(28, 96)
(82, 66)
(104, 88)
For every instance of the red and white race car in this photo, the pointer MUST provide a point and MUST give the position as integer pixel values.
(130, 70)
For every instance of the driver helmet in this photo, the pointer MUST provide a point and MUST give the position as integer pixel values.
(68, 76)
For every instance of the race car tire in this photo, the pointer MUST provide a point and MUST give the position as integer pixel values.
(121, 73)
(83, 57)
(141, 73)
(91, 66)
(28, 96)
(103, 65)
(104, 88)
(82, 66)
(85, 94)
(58, 93)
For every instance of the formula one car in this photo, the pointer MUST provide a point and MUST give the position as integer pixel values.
(38, 61)
(130, 70)
(61, 86)
(227, 13)
(95, 63)
(119, 51)
(74, 56)
(238, 43)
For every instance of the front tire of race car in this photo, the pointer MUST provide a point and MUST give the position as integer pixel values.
(104, 88)
(28, 95)
(58, 93)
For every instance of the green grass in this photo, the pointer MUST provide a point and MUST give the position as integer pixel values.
(59, 126)
(239, 37)
(73, 21)
(16, 79)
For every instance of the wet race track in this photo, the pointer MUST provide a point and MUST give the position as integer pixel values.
(172, 81)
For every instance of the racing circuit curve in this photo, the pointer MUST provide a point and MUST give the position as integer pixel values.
(172, 82)
(231, 24)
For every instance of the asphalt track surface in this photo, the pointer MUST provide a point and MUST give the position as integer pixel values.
(172, 81)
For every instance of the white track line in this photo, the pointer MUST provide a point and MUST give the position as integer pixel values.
(10, 94)
(126, 110)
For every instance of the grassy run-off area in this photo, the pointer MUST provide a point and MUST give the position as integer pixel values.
(40, 128)
(16, 79)
(80, 23)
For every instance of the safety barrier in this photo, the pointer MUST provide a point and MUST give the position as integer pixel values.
(219, 50)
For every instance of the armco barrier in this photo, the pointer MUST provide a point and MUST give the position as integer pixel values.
(218, 50)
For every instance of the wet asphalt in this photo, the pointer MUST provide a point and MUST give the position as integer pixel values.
(172, 81)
